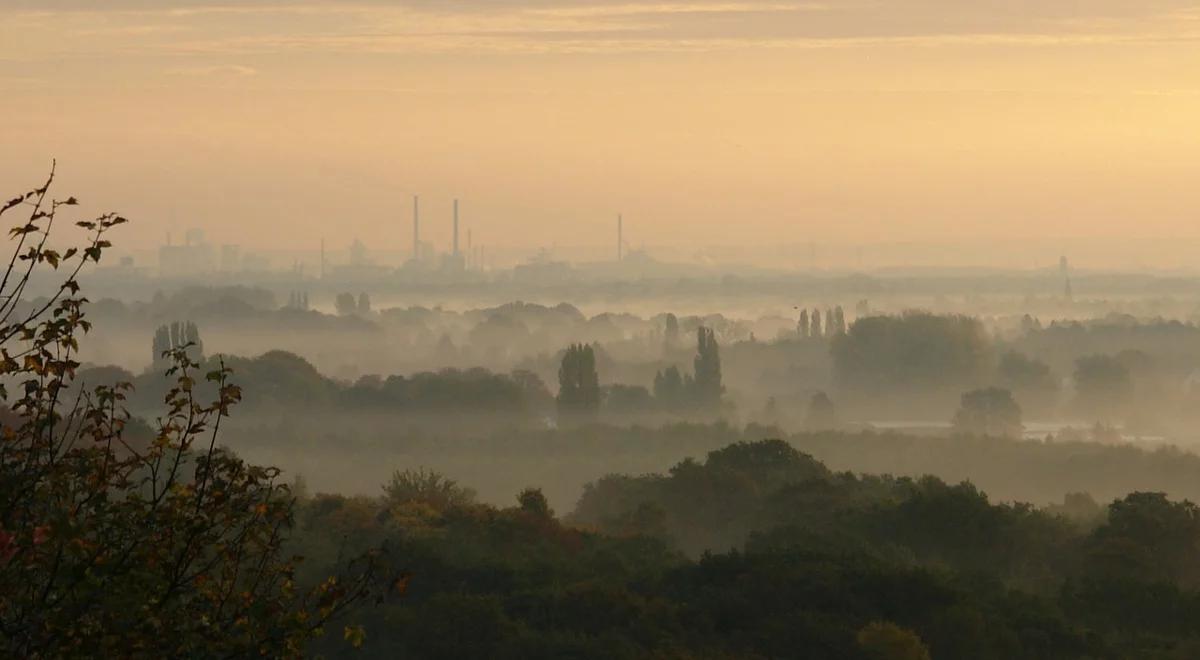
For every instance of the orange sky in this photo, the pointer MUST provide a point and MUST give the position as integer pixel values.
(704, 122)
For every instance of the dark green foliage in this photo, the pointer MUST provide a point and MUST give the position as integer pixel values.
(804, 563)
(1148, 538)
(709, 506)
(578, 382)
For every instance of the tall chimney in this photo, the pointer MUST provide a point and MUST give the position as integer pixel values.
(456, 228)
(416, 228)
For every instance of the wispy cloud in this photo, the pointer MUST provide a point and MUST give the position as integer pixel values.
(641, 9)
(230, 70)
(56, 28)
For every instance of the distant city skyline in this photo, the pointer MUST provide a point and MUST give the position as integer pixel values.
(1086, 254)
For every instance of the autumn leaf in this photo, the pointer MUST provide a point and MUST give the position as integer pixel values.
(355, 635)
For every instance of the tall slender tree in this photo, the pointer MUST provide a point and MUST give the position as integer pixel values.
(578, 382)
(839, 321)
(707, 364)
(161, 346)
(670, 333)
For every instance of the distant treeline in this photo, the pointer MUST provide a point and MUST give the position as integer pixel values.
(1143, 375)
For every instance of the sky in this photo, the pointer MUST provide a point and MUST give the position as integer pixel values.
(705, 122)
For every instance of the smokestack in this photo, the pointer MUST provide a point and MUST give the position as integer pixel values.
(416, 228)
(469, 249)
(456, 228)
(620, 237)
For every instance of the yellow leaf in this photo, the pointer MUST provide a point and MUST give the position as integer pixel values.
(355, 635)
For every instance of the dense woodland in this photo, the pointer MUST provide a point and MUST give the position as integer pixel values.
(759, 550)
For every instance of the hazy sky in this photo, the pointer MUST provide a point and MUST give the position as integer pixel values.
(704, 122)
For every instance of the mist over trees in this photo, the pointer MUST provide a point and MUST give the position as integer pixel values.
(881, 354)
(906, 483)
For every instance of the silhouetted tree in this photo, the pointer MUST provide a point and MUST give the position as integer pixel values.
(364, 303)
(176, 336)
(989, 412)
(298, 300)
(578, 382)
(815, 329)
(161, 347)
(802, 327)
(707, 365)
(671, 333)
(426, 487)
(839, 321)
(534, 502)
(345, 304)
(669, 388)
(897, 354)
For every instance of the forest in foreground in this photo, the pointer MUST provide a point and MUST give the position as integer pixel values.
(760, 551)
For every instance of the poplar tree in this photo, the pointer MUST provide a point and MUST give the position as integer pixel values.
(707, 364)
(578, 382)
